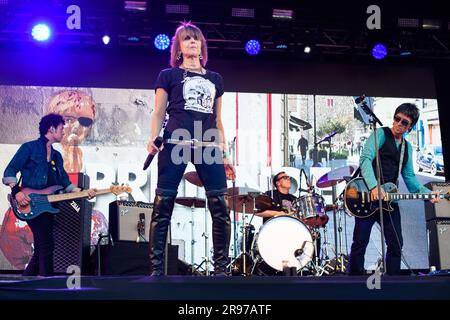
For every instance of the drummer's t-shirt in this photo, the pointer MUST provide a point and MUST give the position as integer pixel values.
(280, 201)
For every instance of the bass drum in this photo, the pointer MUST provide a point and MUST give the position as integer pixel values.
(282, 241)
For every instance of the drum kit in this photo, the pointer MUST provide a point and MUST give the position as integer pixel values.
(288, 244)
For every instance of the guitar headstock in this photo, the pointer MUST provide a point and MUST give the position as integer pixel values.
(118, 189)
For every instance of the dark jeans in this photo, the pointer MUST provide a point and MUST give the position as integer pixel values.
(170, 174)
(361, 236)
(41, 262)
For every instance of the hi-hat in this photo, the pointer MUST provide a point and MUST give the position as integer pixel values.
(245, 200)
(335, 176)
(193, 178)
(191, 202)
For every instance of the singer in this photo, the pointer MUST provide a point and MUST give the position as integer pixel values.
(390, 142)
(191, 96)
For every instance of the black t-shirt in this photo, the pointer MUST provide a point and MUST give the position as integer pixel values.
(280, 201)
(191, 98)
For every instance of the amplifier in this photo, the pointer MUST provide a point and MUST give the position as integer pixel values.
(441, 209)
(439, 243)
(126, 218)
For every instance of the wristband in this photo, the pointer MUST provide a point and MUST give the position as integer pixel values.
(15, 190)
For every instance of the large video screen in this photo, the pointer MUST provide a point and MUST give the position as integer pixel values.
(266, 133)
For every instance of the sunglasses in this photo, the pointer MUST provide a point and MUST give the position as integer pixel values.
(402, 121)
(84, 121)
(283, 178)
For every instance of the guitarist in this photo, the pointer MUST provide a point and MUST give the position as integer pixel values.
(41, 166)
(389, 144)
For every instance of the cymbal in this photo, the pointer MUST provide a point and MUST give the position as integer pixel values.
(193, 178)
(335, 176)
(191, 202)
(247, 200)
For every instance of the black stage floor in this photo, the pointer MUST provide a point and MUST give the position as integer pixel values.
(180, 288)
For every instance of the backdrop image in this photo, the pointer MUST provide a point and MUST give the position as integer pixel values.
(107, 131)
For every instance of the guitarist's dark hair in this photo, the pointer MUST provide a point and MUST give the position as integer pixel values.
(48, 121)
(410, 110)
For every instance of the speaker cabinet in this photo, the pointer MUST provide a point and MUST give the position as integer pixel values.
(72, 235)
(438, 210)
(439, 243)
(124, 220)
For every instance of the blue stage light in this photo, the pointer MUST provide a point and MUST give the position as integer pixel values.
(252, 47)
(379, 51)
(162, 41)
(41, 32)
(106, 39)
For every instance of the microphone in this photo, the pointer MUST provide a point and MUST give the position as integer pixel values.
(158, 142)
(370, 113)
(299, 252)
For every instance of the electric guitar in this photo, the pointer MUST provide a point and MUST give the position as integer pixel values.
(358, 202)
(40, 200)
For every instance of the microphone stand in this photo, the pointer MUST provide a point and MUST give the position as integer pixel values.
(374, 120)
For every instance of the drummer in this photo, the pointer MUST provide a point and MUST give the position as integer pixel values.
(282, 200)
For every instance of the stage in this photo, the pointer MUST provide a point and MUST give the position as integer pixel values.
(193, 288)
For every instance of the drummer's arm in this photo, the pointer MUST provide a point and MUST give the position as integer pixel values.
(270, 213)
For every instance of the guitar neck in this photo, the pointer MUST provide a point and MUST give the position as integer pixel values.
(413, 196)
(74, 195)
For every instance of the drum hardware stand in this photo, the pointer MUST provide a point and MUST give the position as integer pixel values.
(245, 227)
(315, 263)
(233, 154)
(192, 239)
(205, 234)
(194, 267)
(339, 256)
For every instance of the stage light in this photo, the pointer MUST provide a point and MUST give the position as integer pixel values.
(282, 14)
(106, 39)
(379, 51)
(307, 50)
(135, 6)
(41, 32)
(162, 41)
(252, 47)
(431, 24)
(408, 23)
(243, 12)
(177, 9)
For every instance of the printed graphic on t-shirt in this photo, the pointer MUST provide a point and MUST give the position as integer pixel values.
(198, 94)
(286, 204)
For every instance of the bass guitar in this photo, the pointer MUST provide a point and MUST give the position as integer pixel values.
(358, 202)
(40, 200)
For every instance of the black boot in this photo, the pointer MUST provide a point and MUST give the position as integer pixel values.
(162, 212)
(221, 230)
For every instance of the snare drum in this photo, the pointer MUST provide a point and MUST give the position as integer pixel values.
(311, 210)
(282, 241)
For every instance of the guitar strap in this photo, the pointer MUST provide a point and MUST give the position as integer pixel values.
(16, 189)
(402, 152)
